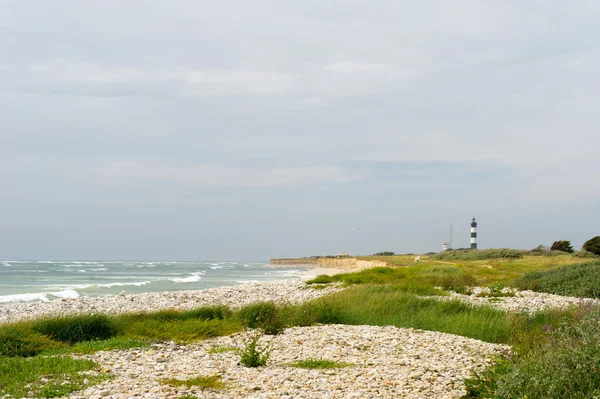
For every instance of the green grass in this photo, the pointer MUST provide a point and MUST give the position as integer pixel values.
(563, 363)
(479, 254)
(46, 377)
(187, 396)
(212, 382)
(581, 280)
(222, 349)
(319, 364)
(74, 329)
(88, 347)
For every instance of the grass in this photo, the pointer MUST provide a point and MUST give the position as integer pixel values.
(564, 363)
(212, 382)
(319, 364)
(45, 377)
(385, 305)
(222, 349)
(479, 254)
(582, 280)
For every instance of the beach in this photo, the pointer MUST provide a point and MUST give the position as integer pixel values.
(383, 362)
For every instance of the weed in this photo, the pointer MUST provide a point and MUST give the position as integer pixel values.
(581, 280)
(19, 340)
(263, 315)
(253, 355)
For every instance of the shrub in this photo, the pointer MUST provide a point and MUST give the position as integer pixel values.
(16, 340)
(73, 329)
(585, 254)
(263, 315)
(579, 280)
(593, 245)
(477, 254)
(562, 245)
(384, 254)
(564, 364)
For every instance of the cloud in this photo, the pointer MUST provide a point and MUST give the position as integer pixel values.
(214, 175)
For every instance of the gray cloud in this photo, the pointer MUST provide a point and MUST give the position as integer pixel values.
(413, 116)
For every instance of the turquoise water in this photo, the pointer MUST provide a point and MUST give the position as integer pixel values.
(47, 280)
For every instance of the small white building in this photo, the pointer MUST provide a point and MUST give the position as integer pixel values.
(445, 247)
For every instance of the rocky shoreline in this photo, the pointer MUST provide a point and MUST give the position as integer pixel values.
(385, 362)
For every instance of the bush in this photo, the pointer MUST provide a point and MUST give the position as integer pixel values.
(263, 315)
(477, 254)
(562, 245)
(16, 340)
(384, 254)
(74, 329)
(585, 254)
(563, 365)
(579, 280)
(593, 245)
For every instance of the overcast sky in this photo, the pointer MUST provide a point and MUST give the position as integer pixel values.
(229, 130)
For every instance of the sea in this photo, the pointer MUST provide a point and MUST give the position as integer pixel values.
(47, 280)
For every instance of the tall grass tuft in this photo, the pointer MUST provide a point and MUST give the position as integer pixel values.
(263, 315)
(19, 340)
(73, 329)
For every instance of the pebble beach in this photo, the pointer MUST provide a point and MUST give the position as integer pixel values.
(384, 362)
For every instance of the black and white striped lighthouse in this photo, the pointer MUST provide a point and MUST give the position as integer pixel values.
(473, 234)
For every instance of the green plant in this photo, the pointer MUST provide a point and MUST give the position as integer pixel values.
(188, 396)
(73, 329)
(212, 382)
(253, 355)
(585, 254)
(45, 376)
(580, 280)
(562, 245)
(312, 363)
(479, 254)
(19, 340)
(222, 349)
(593, 245)
(263, 315)
(564, 363)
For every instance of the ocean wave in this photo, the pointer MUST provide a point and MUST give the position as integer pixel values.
(136, 284)
(99, 269)
(194, 277)
(247, 281)
(24, 297)
(65, 294)
(82, 271)
(6, 263)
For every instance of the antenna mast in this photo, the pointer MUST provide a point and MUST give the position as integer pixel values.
(450, 242)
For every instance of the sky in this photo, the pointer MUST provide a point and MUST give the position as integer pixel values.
(238, 130)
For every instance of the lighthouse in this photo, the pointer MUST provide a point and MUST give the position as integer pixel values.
(473, 234)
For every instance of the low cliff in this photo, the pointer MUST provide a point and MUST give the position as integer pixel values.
(334, 263)
(350, 263)
(298, 261)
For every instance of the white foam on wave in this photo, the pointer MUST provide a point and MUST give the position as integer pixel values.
(6, 263)
(81, 271)
(136, 284)
(99, 269)
(247, 281)
(194, 277)
(24, 297)
(65, 294)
